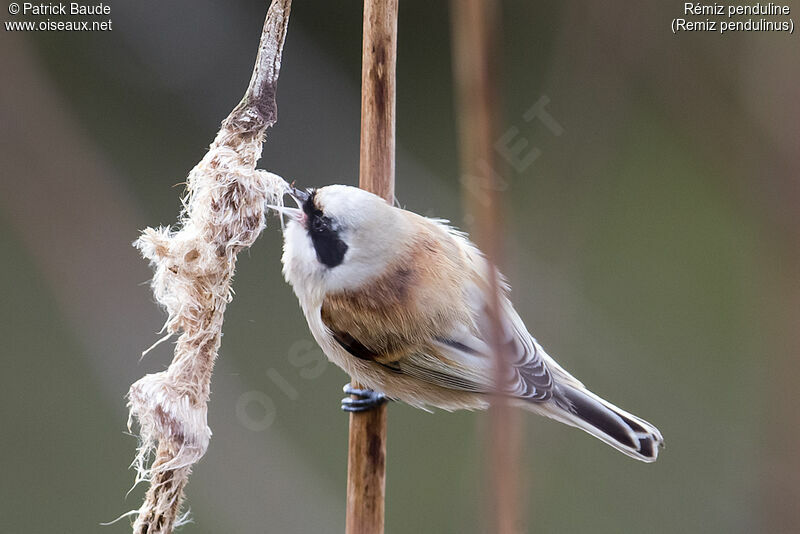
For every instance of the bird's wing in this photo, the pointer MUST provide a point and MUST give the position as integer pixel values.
(461, 358)
(464, 360)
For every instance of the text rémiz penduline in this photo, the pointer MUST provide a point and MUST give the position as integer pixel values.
(757, 9)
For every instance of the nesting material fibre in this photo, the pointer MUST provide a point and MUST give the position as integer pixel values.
(223, 213)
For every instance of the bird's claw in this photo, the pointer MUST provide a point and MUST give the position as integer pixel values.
(368, 399)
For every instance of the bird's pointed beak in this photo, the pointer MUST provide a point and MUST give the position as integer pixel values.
(298, 195)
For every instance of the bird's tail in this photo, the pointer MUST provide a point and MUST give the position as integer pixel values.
(625, 432)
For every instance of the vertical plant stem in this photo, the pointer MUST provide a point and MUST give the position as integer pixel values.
(475, 30)
(378, 83)
(366, 461)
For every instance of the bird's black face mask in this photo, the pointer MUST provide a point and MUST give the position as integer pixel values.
(324, 235)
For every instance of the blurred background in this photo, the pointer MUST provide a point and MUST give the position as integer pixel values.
(652, 248)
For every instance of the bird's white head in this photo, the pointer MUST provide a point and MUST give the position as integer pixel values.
(339, 238)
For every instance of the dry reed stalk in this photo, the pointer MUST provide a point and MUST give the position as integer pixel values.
(223, 213)
(366, 459)
(475, 30)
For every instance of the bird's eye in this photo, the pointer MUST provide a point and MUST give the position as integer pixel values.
(318, 224)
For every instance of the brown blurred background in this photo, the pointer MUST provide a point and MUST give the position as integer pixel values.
(653, 250)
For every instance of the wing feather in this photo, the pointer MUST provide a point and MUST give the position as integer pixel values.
(463, 360)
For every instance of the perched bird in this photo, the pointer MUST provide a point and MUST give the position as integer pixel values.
(398, 301)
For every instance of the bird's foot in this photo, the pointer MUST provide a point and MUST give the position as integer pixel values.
(367, 400)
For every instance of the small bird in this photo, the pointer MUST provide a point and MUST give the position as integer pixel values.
(398, 301)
